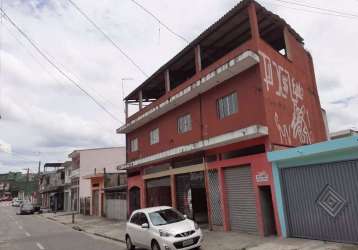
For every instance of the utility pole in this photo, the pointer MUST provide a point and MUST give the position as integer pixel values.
(38, 196)
(27, 181)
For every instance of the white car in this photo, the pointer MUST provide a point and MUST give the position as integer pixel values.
(162, 228)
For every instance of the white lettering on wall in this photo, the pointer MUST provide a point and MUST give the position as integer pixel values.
(288, 86)
(268, 79)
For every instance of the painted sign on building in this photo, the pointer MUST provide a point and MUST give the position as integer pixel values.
(286, 87)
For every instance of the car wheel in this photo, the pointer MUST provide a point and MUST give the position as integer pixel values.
(129, 243)
(155, 246)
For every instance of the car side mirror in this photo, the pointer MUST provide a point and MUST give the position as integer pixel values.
(145, 225)
(185, 216)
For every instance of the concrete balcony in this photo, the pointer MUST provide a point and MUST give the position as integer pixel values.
(210, 78)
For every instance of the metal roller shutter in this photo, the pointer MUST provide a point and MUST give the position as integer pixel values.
(241, 199)
(321, 201)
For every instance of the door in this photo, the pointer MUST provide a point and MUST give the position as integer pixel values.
(241, 199)
(267, 210)
(95, 202)
(134, 199)
(321, 201)
(158, 192)
(143, 234)
(214, 198)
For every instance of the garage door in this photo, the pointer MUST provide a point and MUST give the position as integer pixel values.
(322, 201)
(241, 199)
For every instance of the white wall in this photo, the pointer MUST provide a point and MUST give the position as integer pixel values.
(108, 158)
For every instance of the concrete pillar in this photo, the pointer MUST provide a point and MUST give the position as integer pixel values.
(167, 80)
(126, 109)
(173, 191)
(140, 94)
(255, 33)
(224, 208)
(197, 59)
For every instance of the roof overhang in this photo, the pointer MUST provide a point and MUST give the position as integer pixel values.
(224, 72)
(243, 134)
(330, 147)
(218, 29)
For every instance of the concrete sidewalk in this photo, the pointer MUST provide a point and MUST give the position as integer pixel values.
(213, 240)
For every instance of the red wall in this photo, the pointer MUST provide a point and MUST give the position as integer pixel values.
(250, 111)
(293, 114)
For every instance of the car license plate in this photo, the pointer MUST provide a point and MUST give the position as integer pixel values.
(188, 242)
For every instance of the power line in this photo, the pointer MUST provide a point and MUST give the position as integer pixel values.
(315, 9)
(56, 67)
(159, 21)
(33, 56)
(107, 37)
(49, 73)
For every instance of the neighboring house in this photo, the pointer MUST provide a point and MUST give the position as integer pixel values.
(75, 185)
(52, 185)
(343, 133)
(67, 188)
(115, 189)
(316, 190)
(92, 165)
(207, 118)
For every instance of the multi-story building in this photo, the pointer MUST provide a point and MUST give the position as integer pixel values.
(90, 166)
(207, 118)
(67, 166)
(52, 185)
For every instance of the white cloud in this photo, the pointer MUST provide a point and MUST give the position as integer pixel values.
(44, 112)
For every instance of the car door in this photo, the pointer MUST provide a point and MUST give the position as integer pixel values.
(133, 228)
(143, 233)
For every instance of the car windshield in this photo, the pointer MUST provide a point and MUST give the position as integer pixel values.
(166, 216)
(27, 205)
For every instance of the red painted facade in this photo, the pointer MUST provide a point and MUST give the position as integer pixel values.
(280, 93)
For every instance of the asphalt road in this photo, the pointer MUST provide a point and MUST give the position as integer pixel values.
(32, 232)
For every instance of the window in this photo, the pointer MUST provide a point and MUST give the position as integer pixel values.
(154, 136)
(227, 105)
(136, 219)
(142, 219)
(184, 124)
(134, 145)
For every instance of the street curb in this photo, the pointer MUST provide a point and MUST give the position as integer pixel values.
(109, 237)
(80, 229)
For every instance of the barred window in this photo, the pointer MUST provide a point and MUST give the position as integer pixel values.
(154, 136)
(134, 145)
(184, 124)
(227, 105)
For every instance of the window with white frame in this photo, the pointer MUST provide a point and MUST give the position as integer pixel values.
(227, 105)
(154, 136)
(134, 145)
(184, 123)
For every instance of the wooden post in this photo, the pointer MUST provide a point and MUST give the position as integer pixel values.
(167, 80)
(197, 59)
